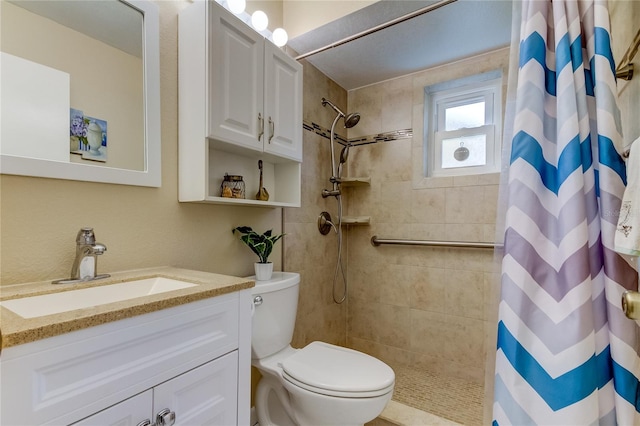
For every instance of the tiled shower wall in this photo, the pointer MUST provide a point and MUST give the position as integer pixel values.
(305, 250)
(421, 306)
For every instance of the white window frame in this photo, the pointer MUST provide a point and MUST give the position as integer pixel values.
(485, 87)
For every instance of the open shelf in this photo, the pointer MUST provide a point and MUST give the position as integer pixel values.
(356, 181)
(356, 220)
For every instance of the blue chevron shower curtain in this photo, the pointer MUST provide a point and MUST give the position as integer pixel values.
(566, 354)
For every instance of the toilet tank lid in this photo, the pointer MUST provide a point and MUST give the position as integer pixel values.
(335, 368)
(278, 281)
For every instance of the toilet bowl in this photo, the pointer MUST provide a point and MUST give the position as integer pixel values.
(320, 384)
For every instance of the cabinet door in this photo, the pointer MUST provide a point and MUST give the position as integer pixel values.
(207, 395)
(236, 69)
(283, 103)
(130, 412)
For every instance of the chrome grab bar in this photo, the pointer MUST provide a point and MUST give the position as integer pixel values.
(461, 244)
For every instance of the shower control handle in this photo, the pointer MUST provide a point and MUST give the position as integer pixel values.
(260, 126)
(272, 129)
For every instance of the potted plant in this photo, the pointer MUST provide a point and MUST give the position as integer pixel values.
(262, 245)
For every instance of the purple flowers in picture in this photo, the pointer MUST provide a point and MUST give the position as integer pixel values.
(88, 136)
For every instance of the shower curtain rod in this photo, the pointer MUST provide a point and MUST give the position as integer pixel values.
(378, 27)
(458, 244)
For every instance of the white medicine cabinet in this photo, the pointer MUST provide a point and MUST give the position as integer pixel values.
(240, 101)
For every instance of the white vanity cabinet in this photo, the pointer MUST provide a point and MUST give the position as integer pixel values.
(206, 395)
(240, 101)
(191, 359)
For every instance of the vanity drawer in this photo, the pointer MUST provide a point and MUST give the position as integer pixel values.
(63, 379)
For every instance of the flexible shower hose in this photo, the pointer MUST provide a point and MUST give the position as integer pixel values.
(339, 261)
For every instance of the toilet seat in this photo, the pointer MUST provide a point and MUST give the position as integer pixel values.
(336, 371)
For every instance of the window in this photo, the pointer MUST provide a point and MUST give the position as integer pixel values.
(462, 126)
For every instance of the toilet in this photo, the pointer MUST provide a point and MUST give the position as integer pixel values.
(320, 384)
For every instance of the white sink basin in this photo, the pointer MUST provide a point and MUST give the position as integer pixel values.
(55, 303)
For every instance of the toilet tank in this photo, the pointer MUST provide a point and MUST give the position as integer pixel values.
(273, 319)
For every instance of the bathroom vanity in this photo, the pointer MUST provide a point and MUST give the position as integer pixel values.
(175, 356)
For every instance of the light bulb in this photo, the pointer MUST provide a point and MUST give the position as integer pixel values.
(279, 37)
(259, 20)
(236, 6)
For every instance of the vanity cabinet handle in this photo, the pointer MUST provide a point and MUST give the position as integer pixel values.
(272, 129)
(165, 417)
(146, 422)
(261, 125)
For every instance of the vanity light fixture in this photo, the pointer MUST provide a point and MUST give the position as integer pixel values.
(236, 6)
(259, 20)
(279, 37)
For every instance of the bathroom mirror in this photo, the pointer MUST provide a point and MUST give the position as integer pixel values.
(80, 90)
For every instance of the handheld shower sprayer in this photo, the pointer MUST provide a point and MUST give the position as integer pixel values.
(344, 154)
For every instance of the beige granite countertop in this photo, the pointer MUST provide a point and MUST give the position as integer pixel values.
(15, 330)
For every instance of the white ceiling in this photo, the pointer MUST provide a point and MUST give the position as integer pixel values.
(460, 29)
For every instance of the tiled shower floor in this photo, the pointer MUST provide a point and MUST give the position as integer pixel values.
(454, 399)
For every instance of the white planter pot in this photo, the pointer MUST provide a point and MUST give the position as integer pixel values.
(263, 271)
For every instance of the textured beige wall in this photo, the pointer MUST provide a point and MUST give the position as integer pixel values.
(141, 227)
(300, 16)
(310, 253)
(419, 306)
(625, 32)
(273, 9)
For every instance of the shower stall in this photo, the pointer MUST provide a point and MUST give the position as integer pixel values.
(419, 309)
(428, 311)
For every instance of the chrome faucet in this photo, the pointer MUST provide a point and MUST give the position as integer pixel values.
(85, 264)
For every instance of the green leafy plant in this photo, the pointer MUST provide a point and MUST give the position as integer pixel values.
(260, 244)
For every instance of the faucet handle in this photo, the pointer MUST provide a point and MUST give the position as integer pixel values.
(86, 236)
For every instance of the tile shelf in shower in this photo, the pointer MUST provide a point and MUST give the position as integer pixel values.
(356, 181)
(356, 220)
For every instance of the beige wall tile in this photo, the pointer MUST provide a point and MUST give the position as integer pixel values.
(395, 283)
(428, 231)
(368, 102)
(393, 325)
(395, 202)
(464, 205)
(464, 231)
(364, 278)
(397, 105)
(363, 318)
(428, 205)
(429, 333)
(464, 294)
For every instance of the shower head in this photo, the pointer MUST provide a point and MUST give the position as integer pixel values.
(351, 120)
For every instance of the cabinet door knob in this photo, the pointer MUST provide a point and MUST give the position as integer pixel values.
(145, 422)
(165, 417)
(260, 125)
(272, 129)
